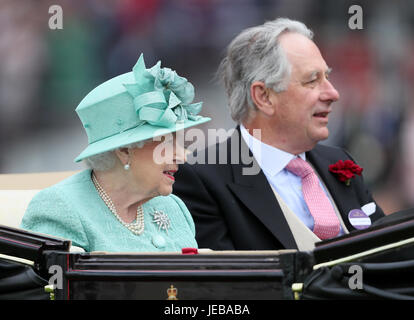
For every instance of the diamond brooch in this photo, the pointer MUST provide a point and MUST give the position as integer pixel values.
(162, 220)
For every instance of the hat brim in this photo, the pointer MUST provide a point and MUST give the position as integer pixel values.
(137, 134)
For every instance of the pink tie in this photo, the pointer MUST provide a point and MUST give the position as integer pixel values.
(326, 222)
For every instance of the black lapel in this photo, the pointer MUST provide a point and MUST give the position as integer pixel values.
(257, 195)
(342, 195)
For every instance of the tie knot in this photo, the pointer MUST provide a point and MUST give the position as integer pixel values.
(299, 167)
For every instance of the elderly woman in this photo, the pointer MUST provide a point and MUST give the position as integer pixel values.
(123, 202)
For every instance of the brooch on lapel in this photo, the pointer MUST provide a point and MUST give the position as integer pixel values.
(162, 220)
(345, 170)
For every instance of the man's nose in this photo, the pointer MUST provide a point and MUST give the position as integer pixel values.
(329, 93)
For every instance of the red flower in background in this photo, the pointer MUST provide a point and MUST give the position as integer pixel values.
(345, 170)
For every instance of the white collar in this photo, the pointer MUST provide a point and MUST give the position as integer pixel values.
(270, 159)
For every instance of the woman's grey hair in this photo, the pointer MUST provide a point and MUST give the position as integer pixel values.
(255, 55)
(106, 161)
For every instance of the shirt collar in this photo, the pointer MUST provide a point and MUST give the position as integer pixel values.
(270, 159)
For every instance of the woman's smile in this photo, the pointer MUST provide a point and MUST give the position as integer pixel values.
(170, 174)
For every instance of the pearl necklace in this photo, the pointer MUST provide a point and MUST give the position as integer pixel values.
(137, 226)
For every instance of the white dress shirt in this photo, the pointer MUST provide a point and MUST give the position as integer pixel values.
(273, 161)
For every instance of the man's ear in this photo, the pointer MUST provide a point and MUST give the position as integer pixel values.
(260, 95)
(123, 155)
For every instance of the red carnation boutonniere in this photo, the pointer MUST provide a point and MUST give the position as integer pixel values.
(345, 170)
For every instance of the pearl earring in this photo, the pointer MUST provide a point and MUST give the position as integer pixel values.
(126, 167)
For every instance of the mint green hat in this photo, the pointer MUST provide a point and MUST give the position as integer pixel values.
(137, 106)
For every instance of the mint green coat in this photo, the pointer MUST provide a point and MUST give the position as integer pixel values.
(73, 209)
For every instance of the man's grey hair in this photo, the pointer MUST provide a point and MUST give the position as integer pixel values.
(106, 160)
(255, 55)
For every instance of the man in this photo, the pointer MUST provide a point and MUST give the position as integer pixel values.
(277, 84)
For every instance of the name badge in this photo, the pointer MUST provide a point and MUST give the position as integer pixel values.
(359, 219)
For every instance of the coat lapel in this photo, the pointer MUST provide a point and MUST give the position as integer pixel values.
(256, 194)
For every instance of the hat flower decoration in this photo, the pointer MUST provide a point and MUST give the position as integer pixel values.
(137, 106)
(166, 98)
